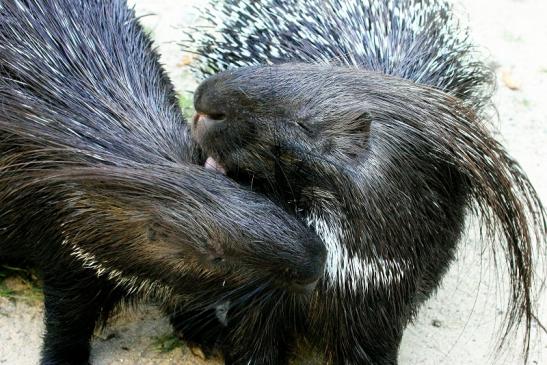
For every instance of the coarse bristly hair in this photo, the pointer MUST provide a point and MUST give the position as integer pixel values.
(367, 119)
(98, 188)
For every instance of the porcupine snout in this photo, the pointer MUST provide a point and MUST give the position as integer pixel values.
(218, 126)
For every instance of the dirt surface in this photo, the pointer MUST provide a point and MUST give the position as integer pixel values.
(458, 325)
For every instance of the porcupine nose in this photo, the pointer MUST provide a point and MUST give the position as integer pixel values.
(309, 271)
(205, 123)
(306, 286)
(210, 105)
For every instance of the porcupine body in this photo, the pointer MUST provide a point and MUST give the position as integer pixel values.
(97, 185)
(368, 125)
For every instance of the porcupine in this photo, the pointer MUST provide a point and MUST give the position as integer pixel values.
(366, 122)
(98, 188)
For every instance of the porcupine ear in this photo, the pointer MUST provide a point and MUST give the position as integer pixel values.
(350, 134)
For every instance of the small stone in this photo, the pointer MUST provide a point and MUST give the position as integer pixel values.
(186, 60)
(198, 352)
(436, 323)
(15, 283)
(509, 80)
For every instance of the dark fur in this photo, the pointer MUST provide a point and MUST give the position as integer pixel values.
(395, 164)
(97, 189)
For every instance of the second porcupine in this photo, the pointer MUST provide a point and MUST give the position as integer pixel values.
(369, 125)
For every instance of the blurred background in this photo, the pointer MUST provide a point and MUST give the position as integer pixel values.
(458, 325)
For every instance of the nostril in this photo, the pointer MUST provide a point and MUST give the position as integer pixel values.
(208, 118)
(217, 117)
(203, 123)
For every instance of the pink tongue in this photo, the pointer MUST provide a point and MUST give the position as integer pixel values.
(212, 164)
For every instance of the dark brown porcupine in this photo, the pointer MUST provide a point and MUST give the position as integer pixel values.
(367, 122)
(97, 186)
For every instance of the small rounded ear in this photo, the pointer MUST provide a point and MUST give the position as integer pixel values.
(349, 136)
(359, 125)
(158, 234)
(155, 232)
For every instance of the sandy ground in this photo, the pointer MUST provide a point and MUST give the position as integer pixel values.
(458, 325)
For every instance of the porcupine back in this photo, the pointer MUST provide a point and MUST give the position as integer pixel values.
(419, 40)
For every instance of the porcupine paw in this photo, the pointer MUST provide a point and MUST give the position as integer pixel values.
(201, 340)
(201, 348)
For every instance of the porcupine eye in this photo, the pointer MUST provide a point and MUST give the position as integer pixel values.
(304, 126)
(217, 260)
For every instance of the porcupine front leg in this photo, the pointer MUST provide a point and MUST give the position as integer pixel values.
(259, 335)
(246, 333)
(200, 329)
(373, 344)
(366, 330)
(231, 333)
(383, 352)
(73, 303)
